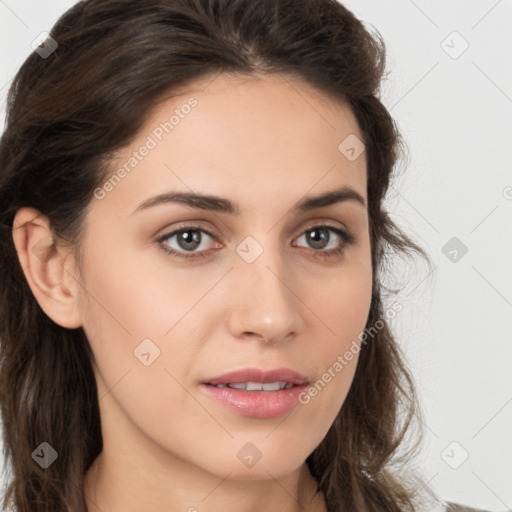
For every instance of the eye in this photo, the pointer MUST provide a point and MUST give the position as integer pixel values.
(191, 240)
(187, 239)
(319, 238)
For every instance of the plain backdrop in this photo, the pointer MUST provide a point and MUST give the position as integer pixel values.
(449, 89)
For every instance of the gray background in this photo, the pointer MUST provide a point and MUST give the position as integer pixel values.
(454, 109)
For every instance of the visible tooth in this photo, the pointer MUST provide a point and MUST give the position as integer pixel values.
(258, 386)
(254, 386)
(238, 385)
(220, 385)
(272, 386)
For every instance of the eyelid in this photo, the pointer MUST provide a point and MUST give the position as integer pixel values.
(324, 223)
(185, 227)
(193, 225)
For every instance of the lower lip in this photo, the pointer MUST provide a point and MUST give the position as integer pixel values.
(257, 404)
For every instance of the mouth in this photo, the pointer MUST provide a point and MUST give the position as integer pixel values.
(257, 393)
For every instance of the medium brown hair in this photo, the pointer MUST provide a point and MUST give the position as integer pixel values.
(67, 115)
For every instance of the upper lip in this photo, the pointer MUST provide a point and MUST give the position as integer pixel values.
(259, 375)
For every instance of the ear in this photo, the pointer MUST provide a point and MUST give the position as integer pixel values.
(53, 284)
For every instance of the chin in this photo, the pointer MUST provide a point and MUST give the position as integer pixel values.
(250, 463)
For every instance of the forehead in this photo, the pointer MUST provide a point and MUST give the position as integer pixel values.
(258, 136)
(265, 104)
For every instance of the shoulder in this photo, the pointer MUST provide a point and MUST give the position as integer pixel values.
(429, 502)
(450, 506)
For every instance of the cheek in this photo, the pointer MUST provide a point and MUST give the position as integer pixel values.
(342, 305)
(127, 294)
(341, 298)
(137, 305)
(132, 317)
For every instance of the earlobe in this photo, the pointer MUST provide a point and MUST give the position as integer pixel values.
(43, 265)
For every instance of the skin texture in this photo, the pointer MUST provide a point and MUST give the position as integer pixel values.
(265, 142)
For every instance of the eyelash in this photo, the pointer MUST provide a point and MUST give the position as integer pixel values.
(347, 238)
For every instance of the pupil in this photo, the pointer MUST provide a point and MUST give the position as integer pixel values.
(187, 238)
(317, 236)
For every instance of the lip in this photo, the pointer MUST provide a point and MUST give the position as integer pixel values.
(257, 404)
(259, 375)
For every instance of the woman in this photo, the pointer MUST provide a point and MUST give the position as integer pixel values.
(178, 333)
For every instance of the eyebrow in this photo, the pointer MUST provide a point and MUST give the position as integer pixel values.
(222, 205)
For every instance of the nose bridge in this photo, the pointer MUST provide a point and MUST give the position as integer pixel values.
(265, 304)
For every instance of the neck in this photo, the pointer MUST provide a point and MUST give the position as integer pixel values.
(116, 487)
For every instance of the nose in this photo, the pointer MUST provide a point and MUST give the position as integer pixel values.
(266, 303)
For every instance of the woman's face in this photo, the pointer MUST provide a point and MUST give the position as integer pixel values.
(249, 284)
